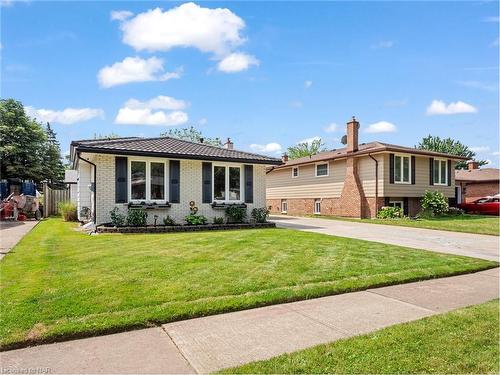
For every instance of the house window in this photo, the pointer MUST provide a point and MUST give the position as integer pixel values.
(402, 169)
(440, 171)
(317, 206)
(398, 204)
(147, 181)
(322, 170)
(227, 183)
(284, 206)
(295, 172)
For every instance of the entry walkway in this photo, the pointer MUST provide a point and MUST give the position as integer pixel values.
(11, 233)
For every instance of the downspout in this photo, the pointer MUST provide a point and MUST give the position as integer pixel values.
(94, 216)
(376, 179)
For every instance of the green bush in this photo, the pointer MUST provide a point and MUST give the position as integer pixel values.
(68, 211)
(236, 214)
(434, 203)
(168, 221)
(137, 217)
(390, 212)
(260, 214)
(117, 219)
(218, 220)
(193, 219)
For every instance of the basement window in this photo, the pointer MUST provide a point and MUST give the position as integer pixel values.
(284, 206)
(317, 206)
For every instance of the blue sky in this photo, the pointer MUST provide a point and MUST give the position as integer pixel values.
(266, 74)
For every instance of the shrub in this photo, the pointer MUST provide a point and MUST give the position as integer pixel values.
(390, 212)
(236, 214)
(218, 220)
(117, 219)
(455, 211)
(137, 217)
(68, 211)
(193, 219)
(260, 214)
(434, 203)
(168, 221)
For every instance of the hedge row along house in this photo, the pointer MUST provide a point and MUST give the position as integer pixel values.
(166, 176)
(359, 179)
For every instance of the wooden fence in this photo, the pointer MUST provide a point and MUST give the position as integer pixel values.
(51, 198)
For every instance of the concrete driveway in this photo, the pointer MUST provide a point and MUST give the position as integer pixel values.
(11, 233)
(472, 245)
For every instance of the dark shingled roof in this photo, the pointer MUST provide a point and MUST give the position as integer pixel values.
(364, 149)
(478, 175)
(169, 147)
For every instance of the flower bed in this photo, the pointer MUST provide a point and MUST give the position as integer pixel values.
(182, 228)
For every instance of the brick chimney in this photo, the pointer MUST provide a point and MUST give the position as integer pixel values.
(229, 144)
(352, 135)
(472, 164)
(284, 158)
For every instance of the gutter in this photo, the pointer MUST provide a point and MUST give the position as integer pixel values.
(376, 178)
(95, 186)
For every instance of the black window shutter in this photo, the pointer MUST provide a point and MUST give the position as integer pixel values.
(391, 168)
(449, 172)
(387, 201)
(121, 179)
(405, 206)
(431, 171)
(174, 185)
(206, 177)
(248, 183)
(413, 169)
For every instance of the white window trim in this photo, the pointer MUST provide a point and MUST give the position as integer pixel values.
(242, 190)
(316, 212)
(148, 162)
(327, 169)
(402, 169)
(391, 202)
(298, 172)
(284, 201)
(440, 171)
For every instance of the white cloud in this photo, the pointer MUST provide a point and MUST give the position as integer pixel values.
(479, 148)
(188, 25)
(65, 116)
(151, 112)
(308, 84)
(383, 44)
(439, 107)
(381, 127)
(120, 15)
(478, 85)
(267, 148)
(331, 128)
(236, 62)
(135, 69)
(309, 141)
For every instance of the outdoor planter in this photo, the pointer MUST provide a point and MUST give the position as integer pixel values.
(182, 228)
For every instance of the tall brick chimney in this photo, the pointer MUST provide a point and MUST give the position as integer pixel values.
(472, 164)
(352, 135)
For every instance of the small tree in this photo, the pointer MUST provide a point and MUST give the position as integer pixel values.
(193, 135)
(434, 203)
(449, 146)
(306, 149)
(53, 167)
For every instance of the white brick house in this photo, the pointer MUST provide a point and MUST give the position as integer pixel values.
(164, 175)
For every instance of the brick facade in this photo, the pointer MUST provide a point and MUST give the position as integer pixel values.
(475, 190)
(352, 199)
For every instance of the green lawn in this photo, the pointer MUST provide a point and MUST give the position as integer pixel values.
(479, 224)
(464, 341)
(59, 283)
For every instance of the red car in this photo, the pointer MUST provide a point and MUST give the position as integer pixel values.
(484, 206)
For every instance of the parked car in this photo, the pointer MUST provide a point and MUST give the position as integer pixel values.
(485, 206)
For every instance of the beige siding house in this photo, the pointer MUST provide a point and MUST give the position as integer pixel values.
(357, 180)
(165, 176)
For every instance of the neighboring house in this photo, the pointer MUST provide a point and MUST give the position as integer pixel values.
(474, 183)
(359, 179)
(165, 175)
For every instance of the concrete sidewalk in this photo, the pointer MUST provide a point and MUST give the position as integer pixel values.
(211, 343)
(468, 244)
(11, 233)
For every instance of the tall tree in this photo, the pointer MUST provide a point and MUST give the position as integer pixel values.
(193, 135)
(306, 149)
(53, 165)
(22, 143)
(449, 146)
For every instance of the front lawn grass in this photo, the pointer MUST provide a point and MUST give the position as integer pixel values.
(478, 224)
(59, 283)
(464, 341)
